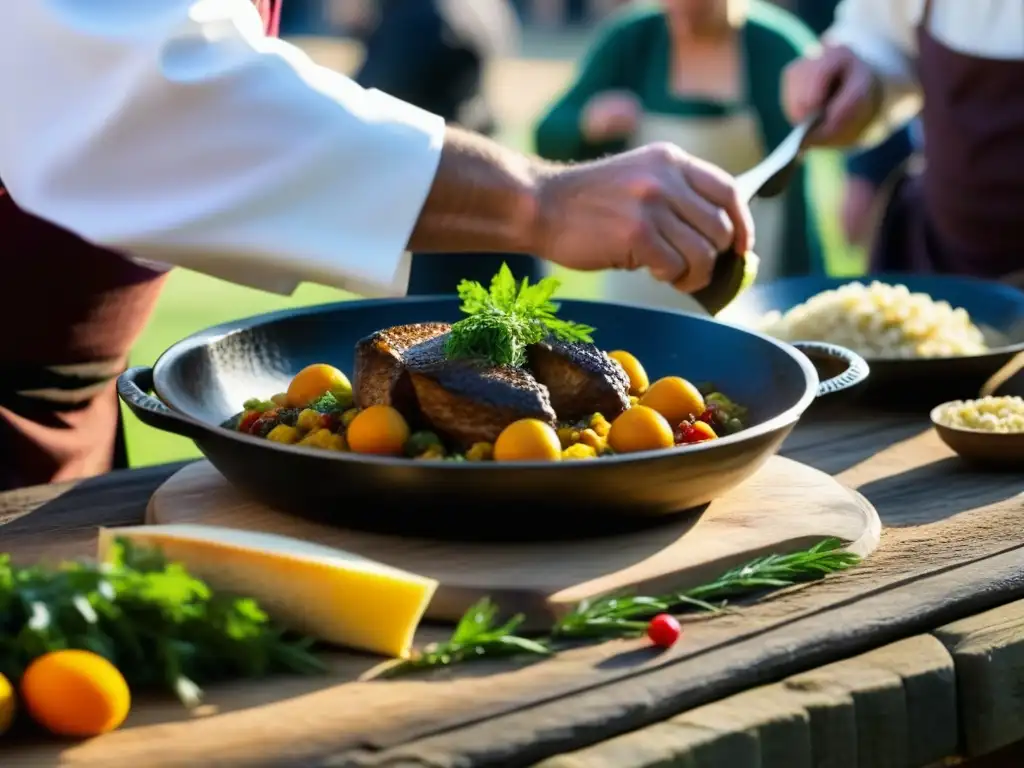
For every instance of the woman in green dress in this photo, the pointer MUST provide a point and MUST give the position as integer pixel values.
(705, 75)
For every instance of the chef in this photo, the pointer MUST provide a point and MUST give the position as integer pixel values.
(964, 61)
(139, 134)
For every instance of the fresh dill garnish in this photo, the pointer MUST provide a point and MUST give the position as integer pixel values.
(501, 322)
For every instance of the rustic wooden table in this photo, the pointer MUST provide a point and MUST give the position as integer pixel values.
(913, 659)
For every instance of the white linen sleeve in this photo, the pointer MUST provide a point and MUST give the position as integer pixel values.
(882, 33)
(177, 132)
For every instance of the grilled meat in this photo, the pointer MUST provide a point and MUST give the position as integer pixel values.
(580, 378)
(380, 375)
(469, 402)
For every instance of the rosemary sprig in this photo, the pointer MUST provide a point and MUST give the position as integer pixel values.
(476, 636)
(502, 321)
(625, 615)
(622, 616)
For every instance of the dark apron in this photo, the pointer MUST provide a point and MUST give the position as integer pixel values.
(71, 314)
(961, 214)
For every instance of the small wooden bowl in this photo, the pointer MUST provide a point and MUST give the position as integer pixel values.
(999, 450)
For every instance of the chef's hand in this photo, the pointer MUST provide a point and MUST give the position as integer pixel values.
(655, 207)
(843, 84)
(610, 115)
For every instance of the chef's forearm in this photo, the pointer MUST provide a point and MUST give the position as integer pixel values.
(484, 198)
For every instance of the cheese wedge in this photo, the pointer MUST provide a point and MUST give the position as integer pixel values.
(320, 591)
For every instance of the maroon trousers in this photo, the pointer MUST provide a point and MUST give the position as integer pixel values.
(71, 314)
(963, 213)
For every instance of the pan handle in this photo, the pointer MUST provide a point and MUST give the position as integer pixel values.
(134, 386)
(852, 368)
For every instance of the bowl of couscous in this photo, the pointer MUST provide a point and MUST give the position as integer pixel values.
(985, 431)
(927, 338)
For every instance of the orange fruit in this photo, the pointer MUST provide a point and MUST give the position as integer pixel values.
(75, 693)
(528, 440)
(6, 704)
(380, 429)
(314, 381)
(640, 429)
(674, 398)
(638, 381)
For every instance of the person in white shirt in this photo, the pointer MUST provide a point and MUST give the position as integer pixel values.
(139, 134)
(961, 64)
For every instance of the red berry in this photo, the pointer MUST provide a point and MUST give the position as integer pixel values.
(664, 630)
(687, 433)
(248, 420)
(697, 432)
(708, 416)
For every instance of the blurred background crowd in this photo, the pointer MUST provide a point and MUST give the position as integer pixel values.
(573, 80)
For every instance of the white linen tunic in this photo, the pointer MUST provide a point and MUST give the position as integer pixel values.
(178, 132)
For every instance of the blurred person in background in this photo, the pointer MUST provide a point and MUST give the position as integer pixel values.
(871, 173)
(434, 54)
(702, 74)
(961, 64)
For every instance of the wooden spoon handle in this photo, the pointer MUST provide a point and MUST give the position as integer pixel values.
(1003, 375)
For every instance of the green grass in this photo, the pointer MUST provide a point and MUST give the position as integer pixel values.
(192, 302)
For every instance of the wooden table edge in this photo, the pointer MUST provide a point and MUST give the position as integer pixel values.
(646, 699)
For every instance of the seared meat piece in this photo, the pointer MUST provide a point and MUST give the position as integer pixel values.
(380, 375)
(468, 402)
(580, 378)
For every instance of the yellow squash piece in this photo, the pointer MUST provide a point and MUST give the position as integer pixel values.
(330, 594)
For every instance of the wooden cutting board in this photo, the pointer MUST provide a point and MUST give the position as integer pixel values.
(784, 507)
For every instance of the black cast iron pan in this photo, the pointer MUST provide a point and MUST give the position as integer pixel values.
(201, 381)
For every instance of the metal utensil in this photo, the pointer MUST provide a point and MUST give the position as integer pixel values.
(770, 177)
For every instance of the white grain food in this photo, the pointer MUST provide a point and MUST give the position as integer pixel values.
(987, 414)
(879, 321)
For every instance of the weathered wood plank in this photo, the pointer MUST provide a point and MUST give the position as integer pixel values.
(668, 745)
(964, 554)
(894, 707)
(929, 687)
(529, 734)
(780, 725)
(831, 719)
(879, 707)
(988, 650)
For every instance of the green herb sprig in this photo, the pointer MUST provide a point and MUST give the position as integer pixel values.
(478, 636)
(626, 615)
(502, 321)
(158, 624)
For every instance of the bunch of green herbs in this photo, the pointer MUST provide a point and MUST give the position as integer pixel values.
(158, 624)
(502, 321)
